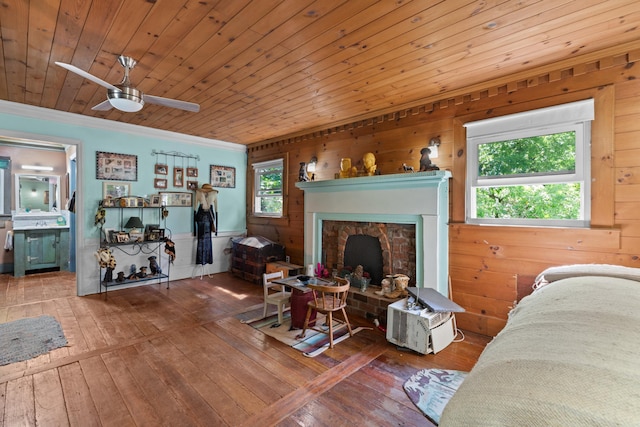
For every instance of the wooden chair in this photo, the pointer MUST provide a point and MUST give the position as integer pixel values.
(328, 300)
(275, 294)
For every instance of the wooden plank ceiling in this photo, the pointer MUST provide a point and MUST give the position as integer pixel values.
(262, 69)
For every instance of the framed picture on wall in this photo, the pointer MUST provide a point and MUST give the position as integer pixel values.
(192, 172)
(223, 176)
(192, 185)
(178, 177)
(176, 198)
(118, 167)
(161, 169)
(115, 189)
(160, 183)
(155, 201)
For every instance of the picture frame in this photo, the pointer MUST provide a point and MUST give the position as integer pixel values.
(161, 169)
(222, 176)
(192, 172)
(115, 189)
(122, 237)
(108, 234)
(116, 166)
(155, 201)
(156, 235)
(176, 198)
(178, 177)
(160, 183)
(153, 232)
(131, 202)
(192, 185)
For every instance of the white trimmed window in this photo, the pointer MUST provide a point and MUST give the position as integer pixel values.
(268, 188)
(531, 168)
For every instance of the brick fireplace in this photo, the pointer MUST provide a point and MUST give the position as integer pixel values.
(396, 244)
(416, 201)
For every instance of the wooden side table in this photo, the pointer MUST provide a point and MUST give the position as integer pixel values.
(287, 268)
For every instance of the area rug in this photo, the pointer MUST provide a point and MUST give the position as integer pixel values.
(27, 338)
(314, 342)
(431, 389)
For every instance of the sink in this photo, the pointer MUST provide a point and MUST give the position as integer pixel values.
(40, 220)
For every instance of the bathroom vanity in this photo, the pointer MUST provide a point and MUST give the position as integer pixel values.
(40, 230)
(40, 241)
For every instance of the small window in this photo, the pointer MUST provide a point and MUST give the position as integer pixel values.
(531, 168)
(268, 188)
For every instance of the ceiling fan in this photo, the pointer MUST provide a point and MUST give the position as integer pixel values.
(125, 97)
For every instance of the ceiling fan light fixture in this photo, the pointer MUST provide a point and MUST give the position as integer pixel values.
(126, 99)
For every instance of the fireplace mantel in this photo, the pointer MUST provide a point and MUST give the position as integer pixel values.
(420, 198)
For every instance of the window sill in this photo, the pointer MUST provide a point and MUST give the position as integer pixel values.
(258, 219)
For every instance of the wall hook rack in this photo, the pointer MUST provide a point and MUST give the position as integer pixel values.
(174, 154)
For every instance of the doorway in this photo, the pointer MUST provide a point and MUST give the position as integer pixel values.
(40, 156)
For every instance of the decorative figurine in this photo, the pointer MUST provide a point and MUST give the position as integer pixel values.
(108, 275)
(401, 282)
(302, 173)
(170, 249)
(357, 275)
(385, 287)
(425, 161)
(120, 277)
(153, 265)
(133, 275)
(143, 273)
(369, 161)
(346, 170)
(407, 168)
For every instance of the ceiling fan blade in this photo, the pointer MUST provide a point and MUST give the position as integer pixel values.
(173, 103)
(86, 75)
(103, 106)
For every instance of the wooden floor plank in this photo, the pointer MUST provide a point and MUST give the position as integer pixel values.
(133, 396)
(224, 405)
(91, 330)
(168, 371)
(165, 403)
(71, 327)
(49, 399)
(19, 404)
(204, 355)
(104, 393)
(81, 409)
(3, 398)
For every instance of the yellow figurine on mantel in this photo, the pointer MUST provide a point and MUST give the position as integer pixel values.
(369, 161)
(346, 170)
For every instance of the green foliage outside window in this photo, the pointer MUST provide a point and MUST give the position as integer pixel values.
(554, 153)
(270, 191)
(550, 201)
(535, 156)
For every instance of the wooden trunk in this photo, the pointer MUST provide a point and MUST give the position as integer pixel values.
(250, 256)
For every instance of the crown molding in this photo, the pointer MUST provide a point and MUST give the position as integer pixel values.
(30, 111)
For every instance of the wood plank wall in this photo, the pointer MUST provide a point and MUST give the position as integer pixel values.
(485, 261)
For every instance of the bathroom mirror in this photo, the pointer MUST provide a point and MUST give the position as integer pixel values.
(37, 193)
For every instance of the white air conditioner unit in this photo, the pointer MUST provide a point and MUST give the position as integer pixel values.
(419, 330)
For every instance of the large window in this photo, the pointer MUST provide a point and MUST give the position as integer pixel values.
(531, 168)
(268, 188)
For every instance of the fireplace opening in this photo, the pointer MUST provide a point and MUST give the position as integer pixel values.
(366, 251)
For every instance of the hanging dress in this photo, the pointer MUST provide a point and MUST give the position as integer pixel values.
(204, 219)
(204, 226)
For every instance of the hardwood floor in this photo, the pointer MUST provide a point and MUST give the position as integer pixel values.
(155, 356)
